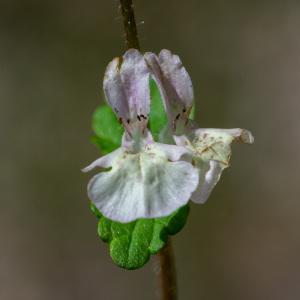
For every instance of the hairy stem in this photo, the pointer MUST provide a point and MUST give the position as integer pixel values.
(168, 273)
(131, 36)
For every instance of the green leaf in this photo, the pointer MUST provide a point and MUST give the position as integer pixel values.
(107, 128)
(158, 118)
(130, 245)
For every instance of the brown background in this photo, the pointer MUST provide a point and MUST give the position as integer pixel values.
(244, 59)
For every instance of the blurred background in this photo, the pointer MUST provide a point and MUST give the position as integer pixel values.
(244, 59)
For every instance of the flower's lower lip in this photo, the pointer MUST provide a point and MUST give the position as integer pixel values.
(148, 184)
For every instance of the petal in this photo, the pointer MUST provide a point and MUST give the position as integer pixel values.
(209, 175)
(113, 89)
(105, 161)
(173, 152)
(180, 86)
(126, 87)
(136, 142)
(182, 140)
(211, 150)
(238, 134)
(174, 83)
(215, 144)
(153, 62)
(135, 78)
(143, 185)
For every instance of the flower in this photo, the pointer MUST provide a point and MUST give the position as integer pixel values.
(142, 178)
(210, 148)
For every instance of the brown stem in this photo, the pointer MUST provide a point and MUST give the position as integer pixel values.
(166, 257)
(168, 273)
(131, 36)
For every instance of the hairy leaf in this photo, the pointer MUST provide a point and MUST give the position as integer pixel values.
(131, 244)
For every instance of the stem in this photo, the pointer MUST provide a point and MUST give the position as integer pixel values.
(166, 257)
(131, 36)
(168, 273)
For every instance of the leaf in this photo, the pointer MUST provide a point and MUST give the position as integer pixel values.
(158, 119)
(131, 244)
(107, 128)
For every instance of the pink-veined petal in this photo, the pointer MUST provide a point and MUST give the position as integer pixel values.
(135, 78)
(114, 90)
(153, 63)
(126, 87)
(175, 87)
(180, 87)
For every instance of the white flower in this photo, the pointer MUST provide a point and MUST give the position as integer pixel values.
(210, 148)
(141, 179)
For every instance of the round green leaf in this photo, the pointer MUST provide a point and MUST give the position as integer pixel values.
(131, 244)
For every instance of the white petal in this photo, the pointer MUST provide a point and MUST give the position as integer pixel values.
(182, 140)
(105, 161)
(137, 140)
(174, 83)
(126, 87)
(153, 62)
(172, 152)
(181, 85)
(238, 134)
(215, 144)
(135, 77)
(143, 185)
(211, 150)
(113, 89)
(209, 175)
